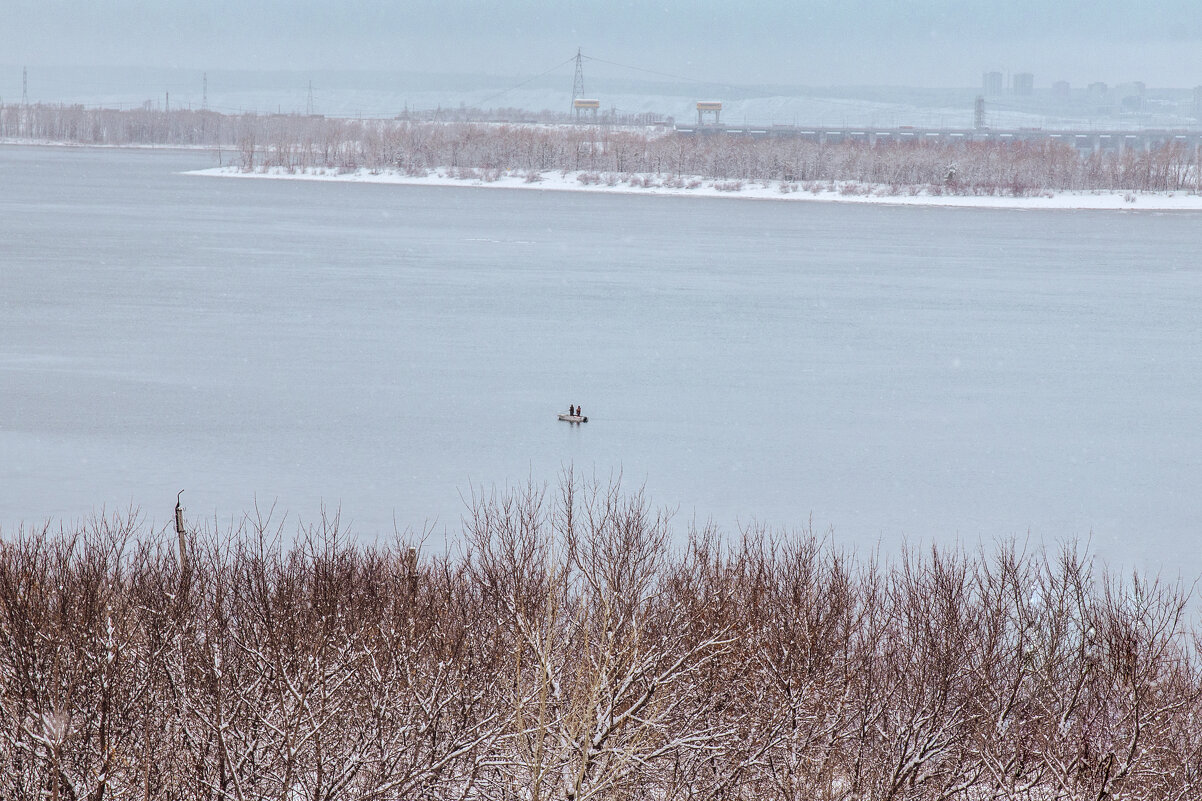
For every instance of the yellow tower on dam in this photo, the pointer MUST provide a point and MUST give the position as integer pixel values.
(712, 108)
(583, 105)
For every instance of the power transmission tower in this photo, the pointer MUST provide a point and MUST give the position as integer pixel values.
(204, 94)
(309, 103)
(24, 86)
(578, 82)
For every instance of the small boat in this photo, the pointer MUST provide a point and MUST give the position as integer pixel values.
(573, 418)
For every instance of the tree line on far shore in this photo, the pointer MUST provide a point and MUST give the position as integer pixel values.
(569, 644)
(647, 155)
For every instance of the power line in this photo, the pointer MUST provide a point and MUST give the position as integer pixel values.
(673, 76)
(578, 79)
(528, 80)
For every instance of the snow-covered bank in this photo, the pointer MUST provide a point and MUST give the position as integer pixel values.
(638, 184)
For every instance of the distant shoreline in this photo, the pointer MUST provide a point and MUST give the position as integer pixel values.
(640, 184)
(15, 142)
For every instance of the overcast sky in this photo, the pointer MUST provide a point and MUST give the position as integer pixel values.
(800, 42)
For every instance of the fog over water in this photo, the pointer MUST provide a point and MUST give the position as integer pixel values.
(895, 373)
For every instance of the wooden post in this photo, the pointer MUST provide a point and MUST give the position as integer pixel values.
(181, 533)
(412, 565)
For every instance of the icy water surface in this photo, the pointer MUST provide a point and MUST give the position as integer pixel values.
(893, 373)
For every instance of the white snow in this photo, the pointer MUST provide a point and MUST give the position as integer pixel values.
(639, 184)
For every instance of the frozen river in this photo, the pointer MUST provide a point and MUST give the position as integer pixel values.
(893, 373)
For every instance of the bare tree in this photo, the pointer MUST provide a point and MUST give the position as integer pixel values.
(570, 647)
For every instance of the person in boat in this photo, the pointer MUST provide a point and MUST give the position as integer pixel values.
(578, 412)
(571, 410)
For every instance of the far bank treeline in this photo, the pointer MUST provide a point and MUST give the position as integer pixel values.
(569, 645)
(296, 142)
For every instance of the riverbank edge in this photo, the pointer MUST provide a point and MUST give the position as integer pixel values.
(640, 184)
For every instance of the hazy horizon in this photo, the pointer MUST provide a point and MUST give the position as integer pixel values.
(925, 43)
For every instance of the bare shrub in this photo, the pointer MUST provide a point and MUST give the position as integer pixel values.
(576, 646)
(461, 138)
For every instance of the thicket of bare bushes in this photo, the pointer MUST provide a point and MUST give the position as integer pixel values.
(295, 142)
(566, 648)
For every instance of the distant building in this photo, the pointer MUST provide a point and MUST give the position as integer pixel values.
(1023, 83)
(991, 83)
(1061, 91)
(1098, 95)
(586, 108)
(711, 109)
(1134, 97)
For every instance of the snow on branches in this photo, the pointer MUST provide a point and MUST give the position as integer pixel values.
(571, 645)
